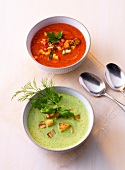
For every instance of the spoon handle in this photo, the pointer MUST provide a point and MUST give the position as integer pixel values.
(117, 102)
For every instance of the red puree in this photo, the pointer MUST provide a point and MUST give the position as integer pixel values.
(68, 50)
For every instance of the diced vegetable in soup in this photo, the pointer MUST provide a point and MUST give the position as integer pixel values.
(58, 45)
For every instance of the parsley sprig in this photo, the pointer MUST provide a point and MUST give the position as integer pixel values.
(54, 38)
(47, 100)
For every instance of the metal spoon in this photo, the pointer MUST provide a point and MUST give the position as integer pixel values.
(96, 87)
(115, 77)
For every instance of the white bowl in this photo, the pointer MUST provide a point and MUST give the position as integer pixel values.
(59, 19)
(77, 95)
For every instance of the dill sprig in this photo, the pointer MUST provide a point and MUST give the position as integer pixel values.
(30, 89)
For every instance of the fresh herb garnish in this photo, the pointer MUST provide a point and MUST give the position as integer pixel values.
(47, 101)
(65, 112)
(59, 35)
(54, 38)
(28, 91)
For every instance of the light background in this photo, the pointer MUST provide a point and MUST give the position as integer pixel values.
(105, 21)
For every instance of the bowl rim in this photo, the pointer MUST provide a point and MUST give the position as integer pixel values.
(70, 90)
(45, 19)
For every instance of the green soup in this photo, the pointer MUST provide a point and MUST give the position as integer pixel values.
(65, 139)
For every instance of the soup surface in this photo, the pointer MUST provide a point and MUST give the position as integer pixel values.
(65, 139)
(58, 45)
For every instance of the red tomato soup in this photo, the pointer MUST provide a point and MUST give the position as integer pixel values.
(58, 45)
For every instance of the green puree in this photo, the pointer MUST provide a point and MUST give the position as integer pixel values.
(63, 139)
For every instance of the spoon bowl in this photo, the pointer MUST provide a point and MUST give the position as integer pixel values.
(115, 77)
(92, 84)
(96, 87)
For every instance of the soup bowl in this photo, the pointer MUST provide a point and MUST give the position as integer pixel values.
(62, 141)
(55, 20)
